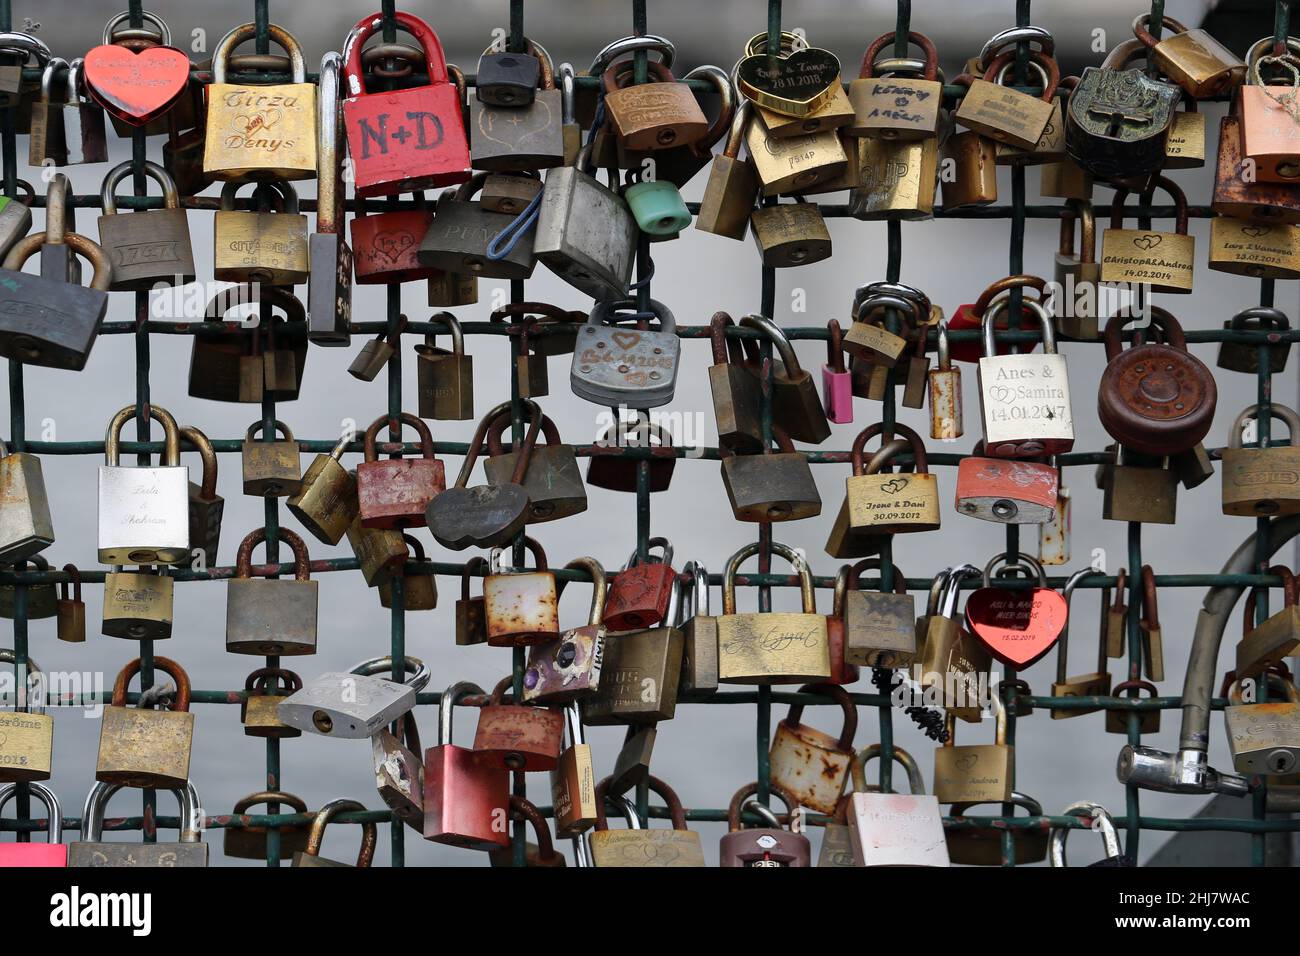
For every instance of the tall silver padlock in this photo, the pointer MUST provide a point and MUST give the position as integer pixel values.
(586, 233)
(93, 850)
(144, 513)
(25, 523)
(1024, 398)
(617, 365)
(355, 703)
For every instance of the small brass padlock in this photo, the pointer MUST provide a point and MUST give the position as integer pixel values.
(272, 468)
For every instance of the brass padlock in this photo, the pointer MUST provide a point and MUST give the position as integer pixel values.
(771, 486)
(660, 114)
(419, 590)
(310, 857)
(895, 107)
(1138, 488)
(27, 732)
(445, 379)
(1118, 720)
(978, 773)
(1162, 260)
(71, 609)
(1259, 482)
(953, 665)
(206, 506)
(147, 748)
(896, 179)
(264, 247)
(1193, 59)
(260, 132)
(796, 406)
(510, 192)
(1264, 737)
(326, 501)
(1274, 639)
(790, 235)
(381, 552)
(891, 504)
(272, 468)
(1256, 249)
(259, 709)
(1077, 297)
(640, 672)
(375, 353)
(786, 164)
(879, 626)
(1244, 356)
(551, 477)
(869, 339)
(269, 616)
(835, 112)
(1094, 684)
(970, 176)
(138, 604)
(1050, 147)
(530, 367)
(735, 390)
(732, 185)
(1005, 114)
(250, 843)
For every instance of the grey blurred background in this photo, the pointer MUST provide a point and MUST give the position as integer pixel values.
(707, 752)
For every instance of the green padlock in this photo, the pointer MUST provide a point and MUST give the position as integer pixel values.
(658, 207)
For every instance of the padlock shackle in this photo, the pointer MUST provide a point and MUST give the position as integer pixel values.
(473, 564)
(835, 347)
(779, 341)
(180, 704)
(257, 681)
(301, 560)
(108, 199)
(794, 716)
(247, 31)
(230, 191)
(280, 429)
(1063, 642)
(1048, 70)
(496, 433)
(171, 434)
(208, 488)
(599, 587)
(718, 337)
(952, 587)
(605, 313)
(1004, 562)
(912, 439)
(937, 588)
(1013, 36)
(856, 571)
(1078, 210)
(874, 305)
(1275, 411)
(476, 443)
(48, 75)
(247, 293)
(989, 321)
(1289, 594)
(1101, 822)
(522, 809)
(727, 97)
(621, 74)
(858, 768)
(45, 795)
(626, 46)
(1150, 612)
(447, 704)
(1142, 21)
(269, 796)
(658, 541)
(163, 35)
(1161, 319)
(531, 545)
(369, 832)
(1266, 316)
(418, 670)
(749, 790)
(92, 814)
(92, 251)
(74, 576)
(453, 329)
(1162, 182)
(1004, 285)
(329, 132)
(866, 70)
(627, 806)
(808, 598)
(25, 43)
(406, 418)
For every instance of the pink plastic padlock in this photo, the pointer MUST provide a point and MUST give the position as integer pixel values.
(837, 381)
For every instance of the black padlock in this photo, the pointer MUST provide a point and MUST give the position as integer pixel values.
(507, 79)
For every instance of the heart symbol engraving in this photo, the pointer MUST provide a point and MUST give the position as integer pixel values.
(1147, 241)
(894, 486)
(248, 124)
(393, 245)
(625, 340)
(797, 83)
(1255, 231)
(135, 87)
(514, 128)
(1001, 393)
(1017, 627)
(966, 762)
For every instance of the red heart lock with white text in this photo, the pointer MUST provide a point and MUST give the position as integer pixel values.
(1018, 627)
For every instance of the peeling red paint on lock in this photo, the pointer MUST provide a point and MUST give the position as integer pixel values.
(513, 737)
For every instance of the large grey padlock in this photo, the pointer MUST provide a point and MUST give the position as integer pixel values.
(354, 703)
(149, 247)
(190, 850)
(585, 232)
(617, 365)
(144, 513)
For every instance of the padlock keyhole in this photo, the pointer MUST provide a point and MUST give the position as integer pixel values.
(322, 722)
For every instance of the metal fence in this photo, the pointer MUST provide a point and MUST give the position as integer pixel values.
(1015, 214)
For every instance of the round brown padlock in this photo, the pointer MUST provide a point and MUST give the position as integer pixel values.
(1156, 397)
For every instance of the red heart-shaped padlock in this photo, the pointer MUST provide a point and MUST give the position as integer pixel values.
(1017, 627)
(136, 87)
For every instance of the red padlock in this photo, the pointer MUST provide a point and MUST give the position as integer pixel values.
(517, 737)
(1016, 626)
(1006, 491)
(466, 803)
(395, 492)
(971, 315)
(384, 245)
(53, 853)
(402, 141)
(638, 598)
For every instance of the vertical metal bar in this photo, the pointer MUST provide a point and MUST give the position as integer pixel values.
(515, 43)
(261, 26)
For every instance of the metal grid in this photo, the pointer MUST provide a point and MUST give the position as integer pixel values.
(762, 697)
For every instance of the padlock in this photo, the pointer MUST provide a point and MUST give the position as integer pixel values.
(896, 108)
(732, 185)
(463, 235)
(1161, 260)
(1156, 397)
(1118, 120)
(846, 542)
(399, 771)
(515, 736)
(790, 235)
(27, 732)
(311, 855)
(1050, 147)
(886, 828)
(48, 320)
(51, 853)
(250, 843)
(45, 140)
(573, 782)
(71, 609)
(419, 589)
(1101, 822)
(879, 626)
(1077, 298)
(395, 493)
(1255, 249)
(585, 232)
(973, 176)
(837, 380)
(643, 847)
(1009, 492)
(138, 91)
(1257, 482)
(571, 130)
(735, 391)
(326, 501)
(842, 672)
(768, 846)
(16, 217)
(787, 164)
(810, 765)
(641, 593)
(1117, 719)
(272, 469)
(42, 599)
(83, 120)
(1275, 638)
(1115, 617)
(896, 179)
(657, 206)
(224, 363)
(25, 523)
(260, 132)
(267, 616)
(1264, 737)
(531, 376)
(869, 339)
(1246, 198)
(982, 846)
(1269, 126)
(510, 192)
(971, 316)
(1004, 114)
(355, 703)
(776, 647)
(485, 515)
(262, 247)
(975, 773)
(660, 114)
(329, 285)
(1243, 356)
(508, 77)
(615, 365)
(150, 247)
(1194, 466)
(1054, 534)
(471, 619)
(1094, 684)
(891, 504)
(570, 667)
(678, 165)
(771, 486)
(1066, 180)
(1138, 488)
(796, 407)
(1193, 59)
(1024, 398)
(525, 132)
(205, 505)
(182, 154)
(445, 378)
(465, 801)
(91, 850)
(259, 710)
(953, 664)
(540, 853)
(521, 606)
(619, 473)
(640, 673)
(376, 353)
(146, 748)
(699, 634)
(384, 245)
(143, 511)
(138, 604)
(1016, 627)
(20, 49)
(1153, 654)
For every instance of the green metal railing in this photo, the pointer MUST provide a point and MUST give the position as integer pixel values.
(761, 698)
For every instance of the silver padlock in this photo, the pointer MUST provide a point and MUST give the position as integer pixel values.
(144, 513)
(399, 771)
(93, 851)
(354, 703)
(585, 232)
(617, 365)
(25, 523)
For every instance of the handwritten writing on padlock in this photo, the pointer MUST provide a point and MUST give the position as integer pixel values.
(614, 365)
